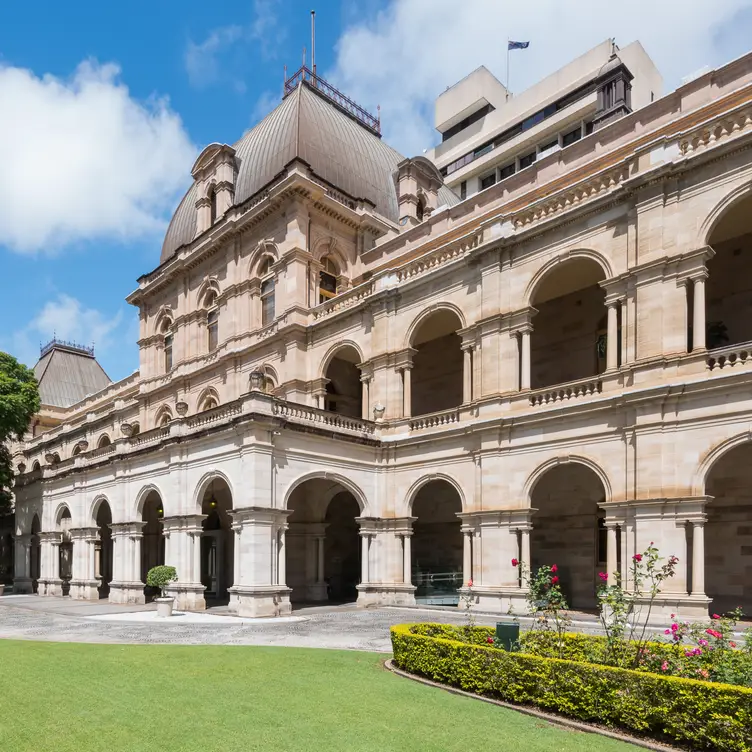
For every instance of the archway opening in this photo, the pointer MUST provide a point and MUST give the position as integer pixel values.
(437, 544)
(437, 372)
(344, 389)
(568, 530)
(728, 532)
(7, 549)
(728, 317)
(35, 554)
(103, 550)
(569, 337)
(65, 552)
(217, 543)
(323, 543)
(152, 541)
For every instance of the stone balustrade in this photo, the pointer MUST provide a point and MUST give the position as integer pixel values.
(565, 392)
(215, 415)
(435, 420)
(733, 356)
(101, 451)
(297, 413)
(342, 302)
(709, 134)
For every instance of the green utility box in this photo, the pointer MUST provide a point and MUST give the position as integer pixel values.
(507, 634)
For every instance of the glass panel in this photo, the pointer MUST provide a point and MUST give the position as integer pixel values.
(168, 353)
(267, 308)
(327, 286)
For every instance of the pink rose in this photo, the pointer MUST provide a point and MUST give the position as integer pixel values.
(603, 576)
(554, 580)
(554, 569)
(637, 558)
(515, 562)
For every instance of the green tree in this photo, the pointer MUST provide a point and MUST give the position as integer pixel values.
(19, 401)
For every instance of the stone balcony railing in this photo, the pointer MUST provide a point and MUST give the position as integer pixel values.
(730, 357)
(565, 392)
(440, 419)
(297, 413)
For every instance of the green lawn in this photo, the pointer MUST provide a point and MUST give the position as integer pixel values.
(68, 697)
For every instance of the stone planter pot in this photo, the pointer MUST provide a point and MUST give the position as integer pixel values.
(164, 607)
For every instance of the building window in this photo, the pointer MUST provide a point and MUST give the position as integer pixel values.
(212, 206)
(571, 137)
(212, 328)
(527, 160)
(167, 353)
(550, 145)
(463, 190)
(267, 293)
(506, 172)
(487, 181)
(328, 278)
(588, 128)
(420, 208)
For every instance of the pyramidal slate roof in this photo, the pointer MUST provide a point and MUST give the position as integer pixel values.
(309, 126)
(67, 374)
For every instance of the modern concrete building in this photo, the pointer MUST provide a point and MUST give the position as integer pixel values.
(354, 383)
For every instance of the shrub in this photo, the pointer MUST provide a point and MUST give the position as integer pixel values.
(160, 577)
(703, 715)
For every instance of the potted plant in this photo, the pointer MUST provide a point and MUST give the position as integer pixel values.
(160, 577)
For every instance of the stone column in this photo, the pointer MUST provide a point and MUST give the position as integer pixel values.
(22, 582)
(467, 374)
(525, 358)
(698, 557)
(698, 314)
(256, 590)
(525, 546)
(611, 558)
(407, 572)
(84, 584)
(366, 398)
(281, 557)
(182, 536)
(365, 539)
(612, 339)
(407, 409)
(49, 570)
(320, 560)
(126, 585)
(467, 560)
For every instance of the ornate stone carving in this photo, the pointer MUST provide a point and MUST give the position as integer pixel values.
(126, 429)
(181, 408)
(378, 411)
(257, 381)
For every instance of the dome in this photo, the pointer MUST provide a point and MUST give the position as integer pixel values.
(309, 126)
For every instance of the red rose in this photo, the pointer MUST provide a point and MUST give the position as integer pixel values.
(469, 583)
(554, 569)
(603, 576)
(554, 580)
(515, 562)
(715, 616)
(637, 558)
(489, 640)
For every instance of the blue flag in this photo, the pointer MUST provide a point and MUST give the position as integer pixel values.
(518, 45)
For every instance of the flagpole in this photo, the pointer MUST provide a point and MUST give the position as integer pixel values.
(507, 87)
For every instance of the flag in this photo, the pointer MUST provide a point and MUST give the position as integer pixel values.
(518, 45)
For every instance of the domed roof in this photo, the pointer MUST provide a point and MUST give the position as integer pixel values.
(308, 126)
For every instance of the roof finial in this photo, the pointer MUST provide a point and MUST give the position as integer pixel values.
(313, 42)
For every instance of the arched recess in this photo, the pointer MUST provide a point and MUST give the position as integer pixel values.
(63, 524)
(435, 381)
(103, 550)
(344, 388)
(728, 531)
(437, 551)
(217, 539)
(568, 527)
(323, 541)
(163, 416)
(151, 511)
(728, 294)
(569, 338)
(208, 399)
(265, 250)
(103, 441)
(35, 553)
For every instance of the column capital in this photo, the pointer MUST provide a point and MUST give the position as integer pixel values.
(259, 515)
(189, 523)
(403, 359)
(84, 534)
(51, 536)
(127, 528)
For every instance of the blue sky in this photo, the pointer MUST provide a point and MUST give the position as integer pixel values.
(103, 107)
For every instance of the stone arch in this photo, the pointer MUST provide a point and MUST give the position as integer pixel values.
(718, 212)
(162, 416)
(103, 441)
(711, 456)
(327, 246)
(164, 320)
(566, 256)
(348, 485)
(265, 249)
(209, 287)
(203, 486)
(208, 399)
(35, 465)
(62, 507)
(415, 488)
(143, 495)
(580, 459)
(332, 352)
(343, 386)
(426, 313)
(94, 507)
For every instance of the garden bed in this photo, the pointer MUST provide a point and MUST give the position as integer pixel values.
(692, 713)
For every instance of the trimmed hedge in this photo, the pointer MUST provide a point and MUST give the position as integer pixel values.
(702, 715)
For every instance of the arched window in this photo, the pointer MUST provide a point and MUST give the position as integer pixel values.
(212, 322)
(327, 280)
(135, 429)
(166, 330)
(209, 403)
(104, 440)
(76, 450)
(164, 418)
(212, 206)
(267, 292)
(35, 465)
(420, 208)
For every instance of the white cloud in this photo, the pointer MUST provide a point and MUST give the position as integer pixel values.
(405, 55)
(81, 159)
(225, 50)
(66, 318)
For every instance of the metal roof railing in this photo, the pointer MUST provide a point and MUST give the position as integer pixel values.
(55, 342)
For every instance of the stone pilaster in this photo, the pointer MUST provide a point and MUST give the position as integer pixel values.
(257, 590)
(183, 551)
(83, 585)
(49, 575)
(22, 582)
(126, 585)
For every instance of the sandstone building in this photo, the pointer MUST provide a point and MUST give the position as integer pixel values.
(366, 377)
